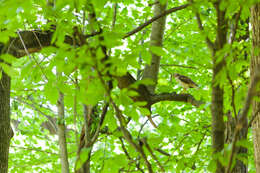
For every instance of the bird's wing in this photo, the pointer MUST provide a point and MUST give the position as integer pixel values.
(187, 80)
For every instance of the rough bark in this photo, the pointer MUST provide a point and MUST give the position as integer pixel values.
(218, 126)
(62, 135)
(6, 132)
(255, 61)
(156, 39)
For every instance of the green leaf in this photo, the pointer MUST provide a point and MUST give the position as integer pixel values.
(8, 58)
(9, 70)
(82, 157)
(159, 51)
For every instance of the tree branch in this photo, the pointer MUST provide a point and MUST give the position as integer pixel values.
(51, 119)
(234, 30)
(35, 40)
(95, 136)
(144, 140)
(122, 122)
(208, 41)
(34, 149)
(139, 28)
(175, 97)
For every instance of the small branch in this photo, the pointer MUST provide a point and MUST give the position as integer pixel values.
(139, 28)
(234, 30)
(162, 152)
(199, 144)
(34, 149)
(114, 15)
(153, 3)
(39, 111)
(142, 126)
(128, 136)
(28, 54)
(122, 123)
(24, 46)
(208, 41)
(144, 140)
(175, 97)
(104, 111)
(124, 149)
(175, 28)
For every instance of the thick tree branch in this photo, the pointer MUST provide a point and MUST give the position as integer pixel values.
(175, 97)
(33, 41)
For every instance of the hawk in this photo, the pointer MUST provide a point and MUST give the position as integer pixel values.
(185, 81)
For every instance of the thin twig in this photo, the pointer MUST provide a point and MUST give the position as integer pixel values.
(153, 3)
(39, 111)
(34, 149)
(27, 52)
(114, 15)
(200, 142)
(142, 126)
(162, 152)
(24, 46)
(124, 148)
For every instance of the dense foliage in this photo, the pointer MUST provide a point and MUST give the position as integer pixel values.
(182, 140)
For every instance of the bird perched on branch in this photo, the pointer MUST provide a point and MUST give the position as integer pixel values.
(185, 81)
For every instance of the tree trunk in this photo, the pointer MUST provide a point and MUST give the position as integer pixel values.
(255, 61)
(62, 135)
(6, 132)
(217, 107)
(156, 39)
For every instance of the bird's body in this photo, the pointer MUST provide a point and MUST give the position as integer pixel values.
(185, 81)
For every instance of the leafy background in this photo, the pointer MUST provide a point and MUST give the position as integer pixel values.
(183, 132)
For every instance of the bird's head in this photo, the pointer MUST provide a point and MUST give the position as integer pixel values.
(176, 75)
